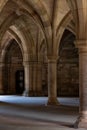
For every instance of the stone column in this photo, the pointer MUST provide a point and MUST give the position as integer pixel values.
(1, 78)
(52, 81)
(34, 78)
(82, 120)
(30, 78)
(37, 79)
(26, 77)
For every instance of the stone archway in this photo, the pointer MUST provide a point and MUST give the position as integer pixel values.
(13, 62)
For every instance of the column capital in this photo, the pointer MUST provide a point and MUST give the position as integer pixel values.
(2, 64)
(81, 44)
(25, 63)
(52, 58)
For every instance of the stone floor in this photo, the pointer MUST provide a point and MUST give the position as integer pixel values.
(32, 113)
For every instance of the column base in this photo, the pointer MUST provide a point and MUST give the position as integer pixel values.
(53, 101)
(1, 92)
(81, 123)
(35, 93)
(39, 93)
(25, 93)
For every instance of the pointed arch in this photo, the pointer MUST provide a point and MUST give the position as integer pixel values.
(38, 11)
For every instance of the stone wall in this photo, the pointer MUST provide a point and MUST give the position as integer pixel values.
(67, 80)
(68, 67)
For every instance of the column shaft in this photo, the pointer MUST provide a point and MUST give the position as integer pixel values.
(52, 82)
(30, 79)
(37, 79)
(1, 78)
(82, 120)
(26, 73)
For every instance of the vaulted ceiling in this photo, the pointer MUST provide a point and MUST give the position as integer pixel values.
(30, 22)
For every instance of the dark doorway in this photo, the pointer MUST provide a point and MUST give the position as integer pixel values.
(19, 81)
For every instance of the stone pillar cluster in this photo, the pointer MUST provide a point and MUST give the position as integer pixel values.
(82, 46)
(33, 78)
(37, 78)
(26, 75)
(1, 78)
(52, 81)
